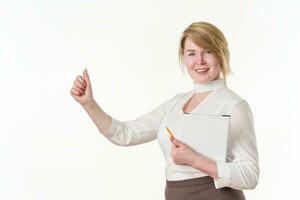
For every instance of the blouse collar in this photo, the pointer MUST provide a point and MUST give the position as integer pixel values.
(212, 85)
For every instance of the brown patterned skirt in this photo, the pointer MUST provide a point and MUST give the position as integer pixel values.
(201, 188)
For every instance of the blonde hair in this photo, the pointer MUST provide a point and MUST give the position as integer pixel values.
(207, 36)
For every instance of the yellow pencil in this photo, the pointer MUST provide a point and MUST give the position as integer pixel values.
(170, 133)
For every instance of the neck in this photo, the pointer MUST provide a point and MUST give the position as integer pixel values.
(212, 85)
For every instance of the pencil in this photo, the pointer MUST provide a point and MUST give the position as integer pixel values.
(170, 133)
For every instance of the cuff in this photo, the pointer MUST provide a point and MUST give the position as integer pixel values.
(113, 128)
(223, 174)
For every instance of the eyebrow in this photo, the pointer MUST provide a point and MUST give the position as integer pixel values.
(191, 50)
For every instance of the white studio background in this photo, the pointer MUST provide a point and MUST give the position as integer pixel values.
(50, 149)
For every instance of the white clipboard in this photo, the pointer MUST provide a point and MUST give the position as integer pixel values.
(207, 134)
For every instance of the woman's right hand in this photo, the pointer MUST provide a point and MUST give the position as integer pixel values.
(82, 89)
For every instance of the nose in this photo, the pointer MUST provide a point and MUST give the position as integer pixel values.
(200, 59)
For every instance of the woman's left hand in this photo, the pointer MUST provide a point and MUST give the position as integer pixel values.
(183, 154)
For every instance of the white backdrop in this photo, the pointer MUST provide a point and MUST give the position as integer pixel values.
(50, 149)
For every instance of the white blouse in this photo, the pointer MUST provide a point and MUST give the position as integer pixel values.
(241, 169)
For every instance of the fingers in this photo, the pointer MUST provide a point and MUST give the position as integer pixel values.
(79, 89)
(78, 86)
(176, 142)
(81, 81)
(74, 92)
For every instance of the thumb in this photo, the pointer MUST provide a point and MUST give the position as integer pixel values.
(86, 77)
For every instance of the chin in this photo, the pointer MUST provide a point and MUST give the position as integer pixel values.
(202, 81)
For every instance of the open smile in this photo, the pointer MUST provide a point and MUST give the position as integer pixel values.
(202, 70)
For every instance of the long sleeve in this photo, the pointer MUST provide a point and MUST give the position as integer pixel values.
(242, 169)
(140, 130)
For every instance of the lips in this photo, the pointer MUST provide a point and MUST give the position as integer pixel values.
(201, 70)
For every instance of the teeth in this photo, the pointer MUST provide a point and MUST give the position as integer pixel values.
(201, 70)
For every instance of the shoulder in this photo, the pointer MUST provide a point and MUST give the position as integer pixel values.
(230, 95)
(232, 99)
(238, 108)
(174, 100)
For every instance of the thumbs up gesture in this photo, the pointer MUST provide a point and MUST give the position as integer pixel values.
(82, 89)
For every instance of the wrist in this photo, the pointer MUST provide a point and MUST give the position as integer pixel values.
(196, 160)
(206, 165)
(89, 104)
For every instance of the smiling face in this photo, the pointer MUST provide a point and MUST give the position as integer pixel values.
(202, 65)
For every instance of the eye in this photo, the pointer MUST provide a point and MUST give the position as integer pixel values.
(208, 51)
(191, 54)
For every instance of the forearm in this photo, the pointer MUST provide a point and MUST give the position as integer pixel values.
(99, 117)
(206, 165)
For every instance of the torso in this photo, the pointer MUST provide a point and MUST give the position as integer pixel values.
(194, 101)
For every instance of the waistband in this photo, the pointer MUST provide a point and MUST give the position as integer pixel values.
(206, 181)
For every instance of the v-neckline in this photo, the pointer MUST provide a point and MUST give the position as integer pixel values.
(198, 105)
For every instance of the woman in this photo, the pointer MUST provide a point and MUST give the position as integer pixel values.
(189, 175)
